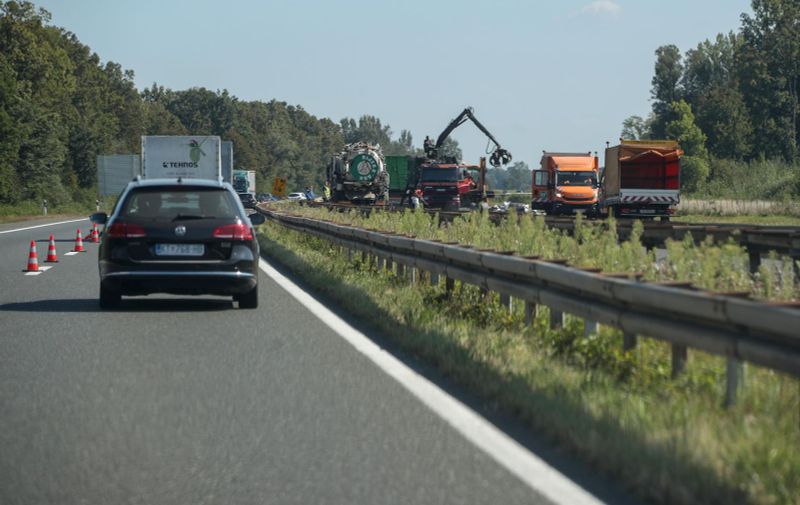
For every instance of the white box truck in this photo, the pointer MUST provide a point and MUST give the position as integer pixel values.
(227, 161)
(190, 157)
(244, 181)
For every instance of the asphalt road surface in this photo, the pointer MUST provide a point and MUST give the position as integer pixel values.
(172, 400)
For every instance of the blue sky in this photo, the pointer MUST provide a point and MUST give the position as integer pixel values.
(555, 75)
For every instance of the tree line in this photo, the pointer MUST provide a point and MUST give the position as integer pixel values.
(61, 106)
(731, 101)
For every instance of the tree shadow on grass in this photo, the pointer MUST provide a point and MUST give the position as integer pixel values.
(657, 473)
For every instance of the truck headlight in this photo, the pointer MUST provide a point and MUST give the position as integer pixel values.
(559, 195)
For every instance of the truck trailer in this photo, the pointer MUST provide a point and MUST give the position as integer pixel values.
(641, 178)
(189, 157)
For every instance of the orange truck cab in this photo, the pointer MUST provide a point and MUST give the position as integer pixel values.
(566, 183)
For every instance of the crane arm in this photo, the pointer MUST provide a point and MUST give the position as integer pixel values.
(499, 156)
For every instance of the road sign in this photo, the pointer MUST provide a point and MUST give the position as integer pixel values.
(279, 187)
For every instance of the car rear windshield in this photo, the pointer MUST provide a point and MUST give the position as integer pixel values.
(168, 204)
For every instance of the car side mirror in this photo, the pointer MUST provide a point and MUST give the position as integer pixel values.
(99, 218)
(257, 219)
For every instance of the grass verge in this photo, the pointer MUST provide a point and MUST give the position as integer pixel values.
(668, 440)
(23, 211)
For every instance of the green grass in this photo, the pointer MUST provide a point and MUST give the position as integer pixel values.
(668, 440)
(27, 210)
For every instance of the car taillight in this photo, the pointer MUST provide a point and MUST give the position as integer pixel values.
(125, 230)
(234, 232)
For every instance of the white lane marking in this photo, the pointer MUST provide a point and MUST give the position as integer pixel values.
(71, 253)
(518, 460)
(41, 271)
(43, 225)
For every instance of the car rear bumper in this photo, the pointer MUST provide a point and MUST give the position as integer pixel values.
(141, 282)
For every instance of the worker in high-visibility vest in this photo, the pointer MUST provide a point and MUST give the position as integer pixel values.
(326, 191)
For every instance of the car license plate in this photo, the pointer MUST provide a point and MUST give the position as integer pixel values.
(647, 211)
(180, 249)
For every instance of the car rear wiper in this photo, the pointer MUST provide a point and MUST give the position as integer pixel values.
(182, 217)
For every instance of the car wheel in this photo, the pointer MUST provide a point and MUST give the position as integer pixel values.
(109, 297)
(249, 300)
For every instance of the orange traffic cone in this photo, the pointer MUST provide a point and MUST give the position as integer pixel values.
(33, 259)
(79, 243)
(95, 234)
(51, 251)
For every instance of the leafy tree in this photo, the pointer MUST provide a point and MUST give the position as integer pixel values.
(451, 149)
(684, 130)
(694, 165)
(769, 69)
(516, 177)
(666, 89)
(710, 66)
(404, 145)
(723, 115)
(60, 107)
(9, 135)
(201, 111)
(406, 141)
(636, 128)
(367, 129)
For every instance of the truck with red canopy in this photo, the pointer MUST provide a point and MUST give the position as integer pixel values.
(641, 178)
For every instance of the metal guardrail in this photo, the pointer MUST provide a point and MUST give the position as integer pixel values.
(756, 239)
(737, 328)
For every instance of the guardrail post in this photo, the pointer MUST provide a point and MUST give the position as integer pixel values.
(508, 302)
(412, 275)
(556, 319)
(628, 341)
(449, 284)
(350, 255)
(755, 260)
(679, 356)
(590, 327)
(733, 370)
(530, 311)
(401, 270)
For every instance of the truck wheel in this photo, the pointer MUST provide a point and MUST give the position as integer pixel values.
(109, 297)
(249, 300)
